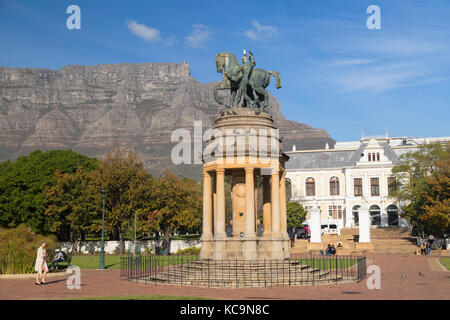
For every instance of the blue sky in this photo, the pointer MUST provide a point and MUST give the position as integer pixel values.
(336, 73)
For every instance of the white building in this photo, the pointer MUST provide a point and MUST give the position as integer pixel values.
(339, 180)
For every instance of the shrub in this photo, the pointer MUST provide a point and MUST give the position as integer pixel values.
(192, 251)
(18, 247)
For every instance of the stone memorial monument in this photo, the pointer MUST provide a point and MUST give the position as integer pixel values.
(244, 144)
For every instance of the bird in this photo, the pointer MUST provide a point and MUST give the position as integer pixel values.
(421, 274)
(403, 276)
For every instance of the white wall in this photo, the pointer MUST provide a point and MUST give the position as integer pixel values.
(111, 247)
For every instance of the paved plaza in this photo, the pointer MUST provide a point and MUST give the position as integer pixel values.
(400, 279)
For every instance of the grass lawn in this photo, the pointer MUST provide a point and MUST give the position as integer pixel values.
(446, 262)
(92, 261)
(113, 261)
(151, 297)
(328, 263)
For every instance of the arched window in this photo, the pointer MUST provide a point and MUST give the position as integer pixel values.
(373, 156)
(369, 157)
(310, 187)
(378, 156)
(334, 186)
(355, 212)
(375, 215)
(392, 212)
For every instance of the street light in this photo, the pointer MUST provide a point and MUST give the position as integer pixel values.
(102, 247)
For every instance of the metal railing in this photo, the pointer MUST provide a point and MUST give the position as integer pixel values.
(190, 270)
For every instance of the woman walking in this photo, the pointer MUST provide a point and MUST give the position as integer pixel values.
(41, 264)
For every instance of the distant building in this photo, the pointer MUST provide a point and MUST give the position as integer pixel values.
(339, 180)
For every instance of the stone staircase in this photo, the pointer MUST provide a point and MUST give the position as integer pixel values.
(241, 273)
(391, 240)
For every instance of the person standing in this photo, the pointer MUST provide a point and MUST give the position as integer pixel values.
(41, 264)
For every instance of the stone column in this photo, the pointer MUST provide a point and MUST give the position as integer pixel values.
(267, 207)
(250, 252)
(314, 225)
(214, 203)
(283, 217)
(220, 252)
(207, 217)
(276, 223)
(364, 223)
(277, 239)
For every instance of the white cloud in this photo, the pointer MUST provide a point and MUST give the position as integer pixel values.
(198, 36)
(144, 32)
(261, 32)
(170, 41)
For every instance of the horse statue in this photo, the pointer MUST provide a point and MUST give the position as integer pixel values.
(227, 64)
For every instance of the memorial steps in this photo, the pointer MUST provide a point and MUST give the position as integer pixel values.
(241, 273)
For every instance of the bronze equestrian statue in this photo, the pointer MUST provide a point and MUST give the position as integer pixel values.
(244, 80)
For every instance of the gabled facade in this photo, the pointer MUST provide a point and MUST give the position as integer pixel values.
(339, 180)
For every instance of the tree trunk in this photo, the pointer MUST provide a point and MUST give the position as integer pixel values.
(166, 241)
(121, 243)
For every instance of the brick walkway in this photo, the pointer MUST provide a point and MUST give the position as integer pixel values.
(433, 285)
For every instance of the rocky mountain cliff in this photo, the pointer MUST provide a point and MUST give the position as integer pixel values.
(91, 109)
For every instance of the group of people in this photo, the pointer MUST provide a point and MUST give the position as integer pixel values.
(41, 262)
(425, 249)
(293, 233)
(331, 250)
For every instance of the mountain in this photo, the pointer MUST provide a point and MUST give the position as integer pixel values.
(91, 109)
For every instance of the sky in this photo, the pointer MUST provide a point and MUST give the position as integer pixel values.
(337, 74)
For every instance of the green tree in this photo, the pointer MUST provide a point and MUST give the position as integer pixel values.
(73, 206)
(295, 214)
(129, 190)
(422, 183)
(22, 185)
(178, 204)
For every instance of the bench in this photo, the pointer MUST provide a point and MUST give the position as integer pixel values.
(67, 261)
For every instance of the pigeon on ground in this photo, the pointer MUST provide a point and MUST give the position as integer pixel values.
(403, 276)
(421, 274)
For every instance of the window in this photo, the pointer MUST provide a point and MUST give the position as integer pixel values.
(335, 212)
(374, 187)
(355, 211)
(378, 156)
(392, 213)
(334, 186)
(375, 215)
(310, 187)
(369, 156)
(357, 187)
(391, 185)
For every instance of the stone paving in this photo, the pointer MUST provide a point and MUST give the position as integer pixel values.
(430, 285)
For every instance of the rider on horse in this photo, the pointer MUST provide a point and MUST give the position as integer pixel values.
(246, 68)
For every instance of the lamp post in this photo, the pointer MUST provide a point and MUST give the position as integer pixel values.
(102, 247)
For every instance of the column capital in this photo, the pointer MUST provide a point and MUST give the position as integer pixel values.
(249, 169)
(206, 173)
(220, 170)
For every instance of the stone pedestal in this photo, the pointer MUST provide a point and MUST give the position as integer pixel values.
(314, 226)
(364, 224)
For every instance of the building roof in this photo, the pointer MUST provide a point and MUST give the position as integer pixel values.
(333, 158)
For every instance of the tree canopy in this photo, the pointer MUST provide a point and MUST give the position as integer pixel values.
(423, 185)
(22, 185)
(295, 214)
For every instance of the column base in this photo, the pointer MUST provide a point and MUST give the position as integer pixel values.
(250, 248)
(207, 247)
(220, 248)
(277, 247)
